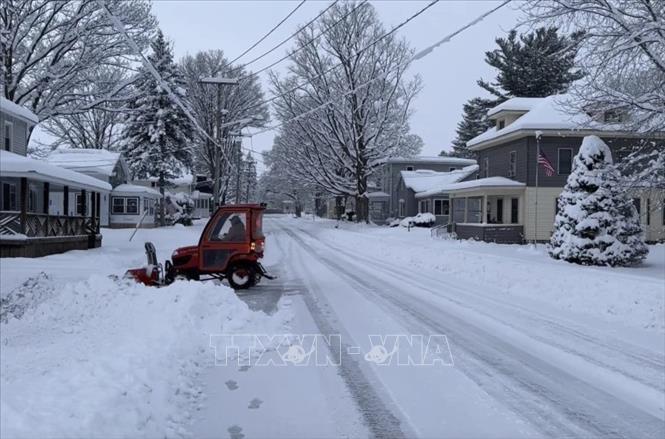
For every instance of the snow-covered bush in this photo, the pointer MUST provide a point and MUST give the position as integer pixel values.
(597, 223)
(421, 220)
(179, 209)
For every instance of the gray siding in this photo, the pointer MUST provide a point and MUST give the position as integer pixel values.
(19, 133)
(502, 234)
(499, 157)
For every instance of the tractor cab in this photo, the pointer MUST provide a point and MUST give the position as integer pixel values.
(230, 247)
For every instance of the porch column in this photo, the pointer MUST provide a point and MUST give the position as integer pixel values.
(484, 210)
(98, 210)
(93, 208)
(65, 203)
(24, 204)
(84, 204)
(45, 207)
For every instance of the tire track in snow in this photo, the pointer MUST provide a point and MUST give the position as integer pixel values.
(553, 400)
(653, 363)
(367, 392)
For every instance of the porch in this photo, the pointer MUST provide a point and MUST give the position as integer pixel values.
(487, 209)
(45, 209)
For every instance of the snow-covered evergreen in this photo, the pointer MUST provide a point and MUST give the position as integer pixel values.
(474, 122)
(157, 132)
(597, 223)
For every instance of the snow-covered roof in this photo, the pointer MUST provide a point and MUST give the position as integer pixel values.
(489, 182)
(378, 194)
(198, 195)
(432, 159)
(515, 104)
(550, 113)
(183, 179)
(135, 189)
(100, 161)
(17, 110)
(425, 180)
(14, 165)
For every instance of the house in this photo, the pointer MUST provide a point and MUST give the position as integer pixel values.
(513, 202)
(386, 201)
(420, 191)
(31, 190)
(195, 187)
(127, 204)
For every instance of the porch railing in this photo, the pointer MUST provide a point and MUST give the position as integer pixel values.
(41, 225)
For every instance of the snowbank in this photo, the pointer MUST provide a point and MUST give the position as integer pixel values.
(421, 220)
(105, 357)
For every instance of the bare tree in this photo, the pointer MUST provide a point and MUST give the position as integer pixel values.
(50, 48)
(240, 102)
(623, 55)
(338, 146)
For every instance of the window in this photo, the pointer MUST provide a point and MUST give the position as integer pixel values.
(8, 136)
(474, 210)
(556, 206)
(441, 207)
(565, 161)
(9, 196)
(514, 210)
(501, 124)
(499, 210)
(409, 168)
(230, 228)
(402, 208)
(459, 205)
(648, 211)
(124, 205)
(512, 164)
(423, 206)
(486, 167)
(32, 199)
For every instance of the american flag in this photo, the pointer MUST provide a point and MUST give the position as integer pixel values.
(542, 160)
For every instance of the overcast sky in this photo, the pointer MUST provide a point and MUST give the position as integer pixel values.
(449, 73)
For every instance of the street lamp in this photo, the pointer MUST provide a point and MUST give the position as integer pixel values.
(218, 81)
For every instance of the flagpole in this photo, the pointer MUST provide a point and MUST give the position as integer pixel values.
(535, 233)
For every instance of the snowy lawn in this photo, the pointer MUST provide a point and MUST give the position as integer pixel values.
(93, 356)
(632, 296)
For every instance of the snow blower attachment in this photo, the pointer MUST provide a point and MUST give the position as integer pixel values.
(229, 248)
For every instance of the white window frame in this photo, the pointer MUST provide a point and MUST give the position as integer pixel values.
(124, 205)
(512, 163)
(423, 206)
(402, 207)
(11, 135)
(500, 124)
(486, 167)
(558, 161)
(11, 191)
(441, 201)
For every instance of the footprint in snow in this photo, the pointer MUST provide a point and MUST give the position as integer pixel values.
(232, 385)
(235, 431)
(255, 403)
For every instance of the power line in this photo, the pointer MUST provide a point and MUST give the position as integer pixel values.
(285, 40)
(333, 67)
(269, 32)
(287, 56)
(419, 55)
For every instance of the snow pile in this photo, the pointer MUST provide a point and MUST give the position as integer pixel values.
(425, 219)
(111, 358)
(597, 223)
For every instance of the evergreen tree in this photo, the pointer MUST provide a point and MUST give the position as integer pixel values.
(597, 223)
(473, 123)
(156, 130)
(537, 64)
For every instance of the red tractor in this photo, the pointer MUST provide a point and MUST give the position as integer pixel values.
(229, 248)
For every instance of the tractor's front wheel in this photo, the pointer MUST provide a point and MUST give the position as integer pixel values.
(241, 276)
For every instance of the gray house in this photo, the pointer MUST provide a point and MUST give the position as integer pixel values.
(29, 189)
(505, 204)
(385, 203)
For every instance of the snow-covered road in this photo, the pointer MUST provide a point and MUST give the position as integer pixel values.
(514, 344)
(522, 367)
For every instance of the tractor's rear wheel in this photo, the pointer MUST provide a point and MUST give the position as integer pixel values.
(241, 276)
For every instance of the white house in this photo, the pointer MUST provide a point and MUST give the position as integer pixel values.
(131, 204)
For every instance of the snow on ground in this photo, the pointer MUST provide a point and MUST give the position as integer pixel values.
(94, 356)
(632, 296)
